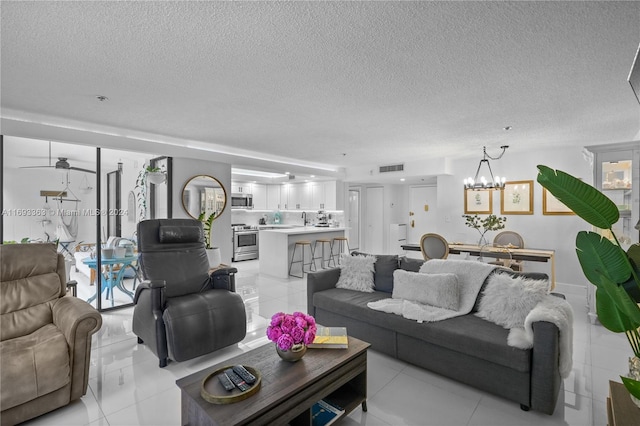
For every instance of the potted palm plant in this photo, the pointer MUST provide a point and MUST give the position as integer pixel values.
(604, 262)
(213, 253)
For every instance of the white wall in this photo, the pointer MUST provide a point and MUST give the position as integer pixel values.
(183, 170)
(538, 230)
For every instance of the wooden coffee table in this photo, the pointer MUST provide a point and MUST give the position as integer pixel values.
(288, 390)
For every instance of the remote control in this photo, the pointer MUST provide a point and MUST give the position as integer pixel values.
(224, 381)
(242, 372)
(237, 380)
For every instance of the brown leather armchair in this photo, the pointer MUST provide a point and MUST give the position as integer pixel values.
(45, 334)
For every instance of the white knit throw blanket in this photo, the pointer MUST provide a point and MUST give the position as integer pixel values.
(470, 274)
(556, 311)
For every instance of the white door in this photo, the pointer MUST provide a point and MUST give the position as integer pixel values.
(423, 211)
(354, 219)
(374, 219)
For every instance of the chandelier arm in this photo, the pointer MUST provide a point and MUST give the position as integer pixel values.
(504, 149)
(475, 179)
(493, 180)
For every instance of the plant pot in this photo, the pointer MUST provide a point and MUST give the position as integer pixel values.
(156, 178)
(215, 259)
(294, 354)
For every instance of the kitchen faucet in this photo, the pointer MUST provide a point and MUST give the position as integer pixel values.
(304, 218)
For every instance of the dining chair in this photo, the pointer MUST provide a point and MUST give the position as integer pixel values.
(509, 239)
(434, 246)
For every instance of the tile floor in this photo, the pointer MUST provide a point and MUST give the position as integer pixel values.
(126, 387)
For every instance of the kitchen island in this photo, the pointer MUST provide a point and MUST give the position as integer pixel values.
(275, 246)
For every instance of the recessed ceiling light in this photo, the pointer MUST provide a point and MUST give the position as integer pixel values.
(401, 179)
(312, 176)
(287, 173)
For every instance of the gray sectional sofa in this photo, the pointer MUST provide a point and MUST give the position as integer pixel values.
(465, 348)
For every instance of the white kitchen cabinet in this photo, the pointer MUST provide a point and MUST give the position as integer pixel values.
(317, 195)
(273, 197)
(330, 195)
(259, 192)
(241, 188)
(299, 197)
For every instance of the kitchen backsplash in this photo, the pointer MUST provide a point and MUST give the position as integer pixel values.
(287, 217)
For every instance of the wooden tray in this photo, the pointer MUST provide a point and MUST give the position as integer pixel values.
(212, 391)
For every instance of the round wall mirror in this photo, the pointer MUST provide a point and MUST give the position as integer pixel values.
(204, 194)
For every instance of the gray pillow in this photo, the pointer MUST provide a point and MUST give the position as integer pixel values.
(439, 290)
(410, 264)
(384, 267)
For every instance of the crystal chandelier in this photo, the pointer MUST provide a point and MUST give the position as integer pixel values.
(479, 182)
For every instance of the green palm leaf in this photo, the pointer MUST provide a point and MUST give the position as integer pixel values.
(598, 256)
(606, 266)
(633, 386)
(583, 199)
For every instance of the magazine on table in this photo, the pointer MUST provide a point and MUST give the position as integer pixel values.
(324, 413)
(330, 338)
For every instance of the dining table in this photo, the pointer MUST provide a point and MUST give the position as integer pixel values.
(112, 276)
(500, 252)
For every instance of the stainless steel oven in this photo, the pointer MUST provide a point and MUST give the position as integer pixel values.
(245, 243)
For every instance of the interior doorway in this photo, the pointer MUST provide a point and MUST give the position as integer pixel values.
(374, 217)
(354, 219)
(423, 211)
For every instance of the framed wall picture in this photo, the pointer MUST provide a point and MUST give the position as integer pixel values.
(517, 197)
(478, 202)
(551, 205)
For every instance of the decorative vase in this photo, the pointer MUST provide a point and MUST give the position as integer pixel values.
(294, 354)
(634, 373)
(483, 241)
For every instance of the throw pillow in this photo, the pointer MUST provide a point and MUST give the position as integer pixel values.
(439, 290)
(507, 300)
(410, 264)
(356, 273)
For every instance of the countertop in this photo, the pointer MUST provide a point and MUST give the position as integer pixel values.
(295, 230)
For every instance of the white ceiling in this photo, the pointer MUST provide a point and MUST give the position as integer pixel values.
(335, 84)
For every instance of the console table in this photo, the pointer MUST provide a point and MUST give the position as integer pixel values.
(621, 411)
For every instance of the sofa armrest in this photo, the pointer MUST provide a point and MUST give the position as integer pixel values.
(78, 321)
(545, 367)
(319, 281)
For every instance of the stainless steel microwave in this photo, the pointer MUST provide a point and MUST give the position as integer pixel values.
(241, 201)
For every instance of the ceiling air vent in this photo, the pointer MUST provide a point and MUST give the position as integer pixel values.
(392, 168)
(291, 177)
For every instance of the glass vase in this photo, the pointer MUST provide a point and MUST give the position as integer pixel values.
(294, 354)
(634, 373)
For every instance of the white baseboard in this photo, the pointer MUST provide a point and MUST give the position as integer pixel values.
(575, 289)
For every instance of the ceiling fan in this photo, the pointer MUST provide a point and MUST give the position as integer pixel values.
(61, 164)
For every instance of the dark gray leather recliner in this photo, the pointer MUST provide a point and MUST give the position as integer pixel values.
(180, 311)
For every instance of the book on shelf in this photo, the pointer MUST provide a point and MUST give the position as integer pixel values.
(324, 413)
(330, 338)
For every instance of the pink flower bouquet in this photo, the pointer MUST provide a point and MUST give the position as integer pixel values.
(287, 330)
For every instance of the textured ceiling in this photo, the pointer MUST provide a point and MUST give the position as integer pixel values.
(338, 83)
